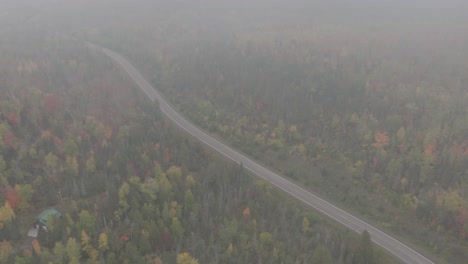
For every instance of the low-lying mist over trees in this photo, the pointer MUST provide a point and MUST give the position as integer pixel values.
(364, 103)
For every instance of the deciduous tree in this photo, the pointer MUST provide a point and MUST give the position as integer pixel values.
(185, 258)
(381, 140)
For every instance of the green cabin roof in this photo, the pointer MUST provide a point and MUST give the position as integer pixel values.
(45, 214)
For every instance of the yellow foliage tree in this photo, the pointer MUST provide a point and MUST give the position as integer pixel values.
(72, 165)
(73, 251)
(51, 160)
(450, 200)
(185, 258)
(108, 132)
(109, 164)
(190, 180)
(301, 149)
(293, 133)
(93, 255)
(229, 250)
(103, 242)
(91, 164)
(84, 240)
(87, 248)
(6, 215)
(401, 135)
(155, 261)
(46, 135)
(305, 225)
(174, 173)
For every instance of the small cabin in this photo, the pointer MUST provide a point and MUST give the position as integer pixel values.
(41, 221)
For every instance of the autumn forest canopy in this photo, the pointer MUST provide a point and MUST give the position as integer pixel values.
(364, 103)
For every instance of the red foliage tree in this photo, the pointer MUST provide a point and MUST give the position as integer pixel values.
(13, 119)
(54, 178)
(259, 106)
(208, 152)
(458, 151)
(408, 119)
(461, 221)
(52, 104)
(166, 240)
(124, 238)
(9, 139)
(58, 144)
(37, 165)
(167, 155)
(84, 135)
(12, 198)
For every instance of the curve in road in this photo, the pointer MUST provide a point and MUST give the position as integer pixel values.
(395, 247)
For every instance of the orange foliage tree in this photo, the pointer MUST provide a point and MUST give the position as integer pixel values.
(12, 198)
(246, 212)
(429, 151)
(381, 140)
(36, 246)
(5, 250)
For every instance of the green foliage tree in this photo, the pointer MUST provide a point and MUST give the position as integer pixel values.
(87, 222)
(59, 253)
(321, 255)
(73, 251)
(364, 253)
(123, 192)
(25, 193)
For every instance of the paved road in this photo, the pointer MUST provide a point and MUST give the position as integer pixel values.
(395, 247)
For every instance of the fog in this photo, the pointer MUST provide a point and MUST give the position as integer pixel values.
(361, 102)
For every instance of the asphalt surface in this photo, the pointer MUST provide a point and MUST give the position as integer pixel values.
(395, 247)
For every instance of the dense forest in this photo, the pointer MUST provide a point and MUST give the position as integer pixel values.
(78, 136)
(364, 106)
(367, 108)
